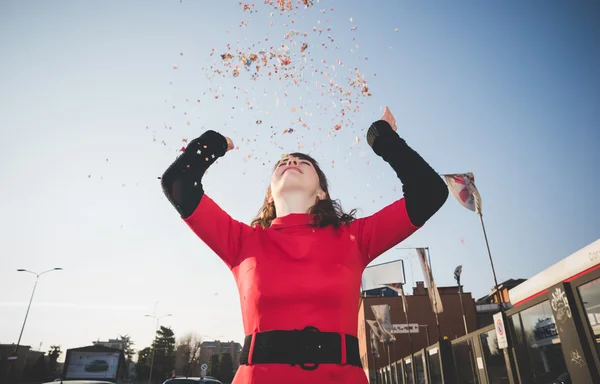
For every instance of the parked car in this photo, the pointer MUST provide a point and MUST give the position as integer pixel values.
(192, 380)
(79, 382)
(97, 366)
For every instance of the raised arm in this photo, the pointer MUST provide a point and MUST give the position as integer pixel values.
(424, 194)
(182, 184)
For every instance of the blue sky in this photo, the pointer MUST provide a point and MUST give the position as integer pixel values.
(509, 91)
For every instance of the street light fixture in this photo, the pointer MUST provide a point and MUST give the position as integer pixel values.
(154, 348)
(37, 277)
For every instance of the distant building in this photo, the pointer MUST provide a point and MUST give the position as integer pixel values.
(488, 305)
(16, 366)
(420, 313)
(217, 347)
(111, 343)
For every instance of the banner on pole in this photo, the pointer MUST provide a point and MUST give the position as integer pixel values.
(398, 287)
(375, 334)
(383, 317)
(434, 294)
(462, 187)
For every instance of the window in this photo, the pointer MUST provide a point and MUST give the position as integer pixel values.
(408, 371)
(494, 358)
(590, 296)
(538, 345)
(435, 367)
(464, 362)
(419, 368)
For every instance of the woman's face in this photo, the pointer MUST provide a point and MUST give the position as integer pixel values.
(293, 174)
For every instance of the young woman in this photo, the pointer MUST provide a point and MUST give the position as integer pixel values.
(298, 266)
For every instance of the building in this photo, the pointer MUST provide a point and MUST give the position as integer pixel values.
(217, 347)
(419, 312)
(552, 334)
(111, 343)
(488, 304)
(12, 369)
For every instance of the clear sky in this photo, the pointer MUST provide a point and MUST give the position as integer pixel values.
(96, 98)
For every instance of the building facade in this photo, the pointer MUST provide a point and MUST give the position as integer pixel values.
(111, 343)
(217, 347)
(419, 312)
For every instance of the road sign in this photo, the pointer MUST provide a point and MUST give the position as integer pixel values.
(500, 331)
(204, 367)
(203, 373)
(402, 328)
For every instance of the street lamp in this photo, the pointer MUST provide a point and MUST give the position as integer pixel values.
(457, 273)
(156, 330)
(37, 276)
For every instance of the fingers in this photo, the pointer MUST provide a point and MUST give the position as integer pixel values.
(230, 145)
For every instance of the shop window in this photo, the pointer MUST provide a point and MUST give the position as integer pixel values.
(435, 367)
(590, 296)
(408, 371)
(538, 345)
(419, 369)
(464, 362)
(494, 358)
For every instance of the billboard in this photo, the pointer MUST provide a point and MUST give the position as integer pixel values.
(92, 365)
(377, 276)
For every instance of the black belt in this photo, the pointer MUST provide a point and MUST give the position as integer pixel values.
(307, 348)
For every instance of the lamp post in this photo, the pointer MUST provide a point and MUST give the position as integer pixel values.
(37, 277)
(13, 356)
(457, 273)
(156, 330)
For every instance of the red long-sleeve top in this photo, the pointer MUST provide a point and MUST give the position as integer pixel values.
(293, 274)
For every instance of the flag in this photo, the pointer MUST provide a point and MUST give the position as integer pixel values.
(375, 335)
(462, 187)
(434, 294)
(382, 315)
(398, 287)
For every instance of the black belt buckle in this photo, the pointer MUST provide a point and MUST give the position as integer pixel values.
(308, 345)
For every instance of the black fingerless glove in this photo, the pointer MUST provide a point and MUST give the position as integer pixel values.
(182, 181)
(424, 190)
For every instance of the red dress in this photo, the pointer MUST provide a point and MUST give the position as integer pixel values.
(292, 275)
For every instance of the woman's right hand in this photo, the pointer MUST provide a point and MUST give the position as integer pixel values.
(230, 145)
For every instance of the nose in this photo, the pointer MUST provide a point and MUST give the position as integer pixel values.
(292, 161)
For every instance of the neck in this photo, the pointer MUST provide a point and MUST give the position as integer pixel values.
(294, 202)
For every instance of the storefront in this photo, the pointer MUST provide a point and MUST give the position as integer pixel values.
(553, 328)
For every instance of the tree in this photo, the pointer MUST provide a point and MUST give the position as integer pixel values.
(187, 355)
(214, 366)
(164, 353)
(226, 367)
(128, 349)
(53, 355)
(142, 367)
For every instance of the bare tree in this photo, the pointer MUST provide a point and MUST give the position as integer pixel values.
(187, 355)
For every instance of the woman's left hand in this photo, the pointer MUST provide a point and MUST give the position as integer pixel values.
(387, 116)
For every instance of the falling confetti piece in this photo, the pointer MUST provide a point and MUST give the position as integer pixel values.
(259, 122)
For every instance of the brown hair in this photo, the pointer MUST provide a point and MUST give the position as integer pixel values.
(326, 211)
